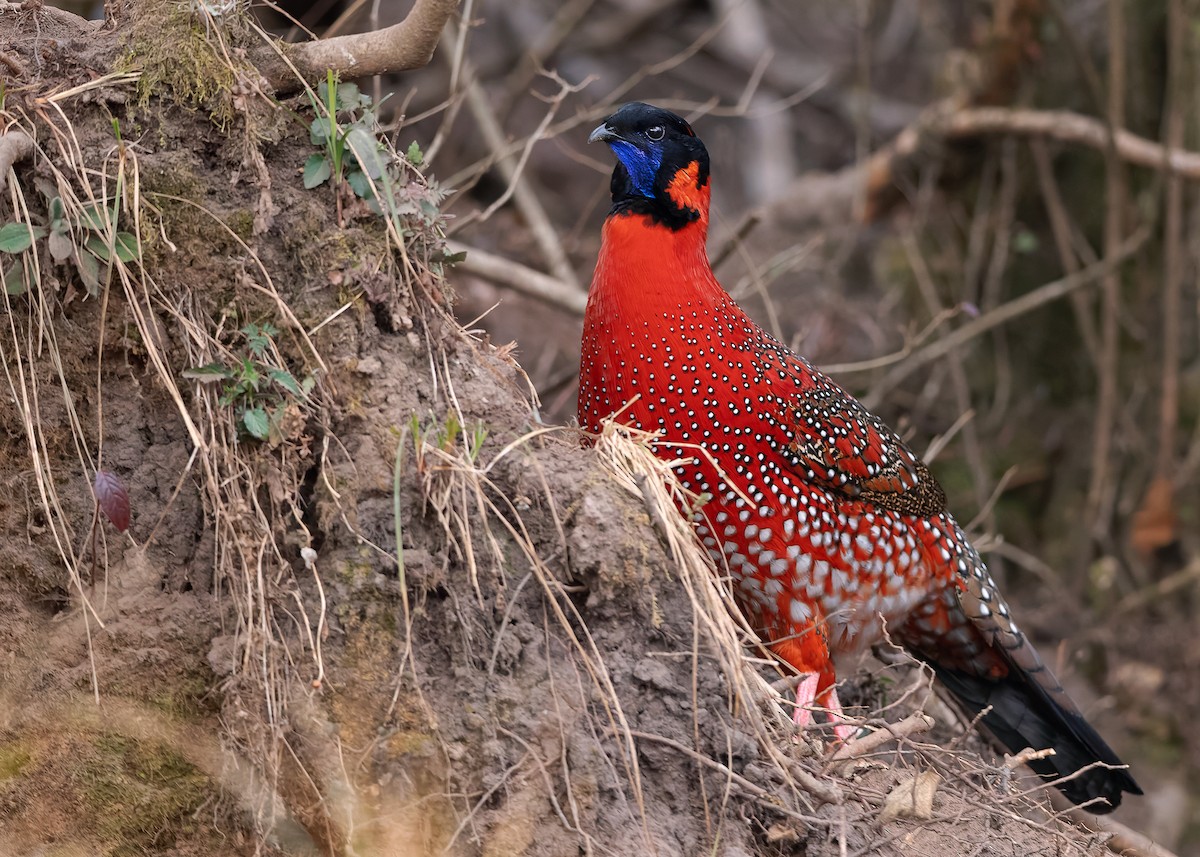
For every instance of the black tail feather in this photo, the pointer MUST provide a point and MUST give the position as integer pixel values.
(1023, 714)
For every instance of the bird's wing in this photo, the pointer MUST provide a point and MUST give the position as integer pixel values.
(833, 441)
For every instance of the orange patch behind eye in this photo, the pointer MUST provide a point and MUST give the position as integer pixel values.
(684, 191)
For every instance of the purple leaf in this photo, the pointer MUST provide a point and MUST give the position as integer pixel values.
(113, 499)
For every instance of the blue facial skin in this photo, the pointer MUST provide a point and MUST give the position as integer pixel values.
(641, 165)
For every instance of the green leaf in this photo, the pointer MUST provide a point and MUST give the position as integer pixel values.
(98, 247)
(56, 208)
(18, 237)
(248, 376)
(14, 279)
(96, 217)
(414, 154)
(286, 380)
(126, 247)
(208, 372)
(318, 131)
(360, 184)
(316, 171)
(348, 96)
(366, 150)
(323, 89)
(257, 423)
(61, 246)
(89, 272)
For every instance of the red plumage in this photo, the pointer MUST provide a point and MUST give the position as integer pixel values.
(827, 522)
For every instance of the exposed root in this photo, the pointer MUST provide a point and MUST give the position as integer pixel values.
(15, 146)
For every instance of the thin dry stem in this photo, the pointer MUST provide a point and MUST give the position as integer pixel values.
(1099, 496)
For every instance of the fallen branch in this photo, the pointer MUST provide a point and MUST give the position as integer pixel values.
(400, 47)
(519, 278)
(15, 146)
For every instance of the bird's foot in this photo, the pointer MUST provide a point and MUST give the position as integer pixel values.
(806, 694)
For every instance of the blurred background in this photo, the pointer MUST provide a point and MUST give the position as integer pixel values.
(900, 189)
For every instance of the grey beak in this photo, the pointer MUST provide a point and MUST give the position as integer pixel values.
(603, 134)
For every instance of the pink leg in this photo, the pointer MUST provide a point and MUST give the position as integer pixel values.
(843, 730)
(806, 694)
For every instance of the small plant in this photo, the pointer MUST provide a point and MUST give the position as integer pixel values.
(352, 155)
(256, 390)
(93, 223)
(446, 437)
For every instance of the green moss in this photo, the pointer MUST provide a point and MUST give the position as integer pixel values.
(353, 572)
(139, 794)
(241, 222)
(410, 742)
(175, 54)
(13, 759)
(329, 249)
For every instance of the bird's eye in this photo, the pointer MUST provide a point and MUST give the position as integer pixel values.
(656, 132)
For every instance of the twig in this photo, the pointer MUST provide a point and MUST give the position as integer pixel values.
(1114, 209)
(913, 724)
(972, 447)
(1026, 756)
(1067, 127)
(515, 171)
(821, 197)
(15, 146)
(1159, 590)
(821, 791)
(526, 200)
(520, 278)
(1124, 840)
(1060, 226)
(1172, 299)
(1013, 309)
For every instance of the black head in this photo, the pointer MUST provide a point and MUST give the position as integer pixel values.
(652, 146)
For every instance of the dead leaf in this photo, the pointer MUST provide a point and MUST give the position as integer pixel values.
(113, 499)
(1155, 524)
(783, 833)
(911, 798)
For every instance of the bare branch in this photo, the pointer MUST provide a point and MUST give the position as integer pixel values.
(15, 146)
(400, 47)
(823, 197)
(520, 278)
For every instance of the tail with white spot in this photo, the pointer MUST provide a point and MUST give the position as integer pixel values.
(982, 657)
